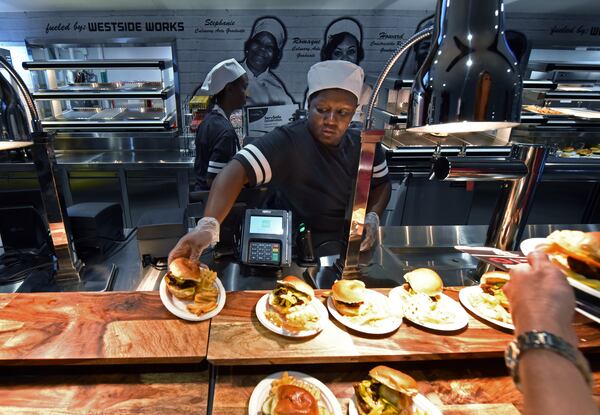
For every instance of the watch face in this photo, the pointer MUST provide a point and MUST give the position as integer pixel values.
(511, 355)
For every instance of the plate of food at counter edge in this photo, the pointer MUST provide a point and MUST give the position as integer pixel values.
(291, 309)
(360, 309)
(576, 253)
(487, 300)
(422, 301)
(390, 391)
(292, 392)
(191, 292)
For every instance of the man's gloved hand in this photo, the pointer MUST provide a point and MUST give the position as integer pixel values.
(370, 231)
(205, 234)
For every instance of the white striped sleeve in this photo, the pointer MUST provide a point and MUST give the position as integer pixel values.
(216, 164)
(380, 170)
(215, 167)
(258, 163)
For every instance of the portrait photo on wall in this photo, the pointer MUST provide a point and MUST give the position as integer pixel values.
(263, 51)
(343, 41)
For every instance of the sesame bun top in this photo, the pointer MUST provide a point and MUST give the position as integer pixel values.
(297, 284)
(185, 268)
(425, 281)
(394, 379)
(349, 291)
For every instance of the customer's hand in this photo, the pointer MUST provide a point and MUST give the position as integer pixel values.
(541, 298)
(370, 231)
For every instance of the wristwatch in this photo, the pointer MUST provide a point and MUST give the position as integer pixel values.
(547, 341)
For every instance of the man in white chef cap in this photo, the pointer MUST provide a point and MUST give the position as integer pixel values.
(311, 162)
(263, 51)
(216, 140)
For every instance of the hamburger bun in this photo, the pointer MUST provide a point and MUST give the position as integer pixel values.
(186, 268)
(394, 379)
(186, 293)
(425, 281)
(495, 277)
(294, 400)
(349, 291)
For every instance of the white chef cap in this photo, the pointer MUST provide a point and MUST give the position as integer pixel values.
(344, 25)
(335, 74)
(272, 26)
(220, 75)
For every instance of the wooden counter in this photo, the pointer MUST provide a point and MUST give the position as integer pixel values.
(456, 387)
(238, 338)
(96, 328)
(92, 391)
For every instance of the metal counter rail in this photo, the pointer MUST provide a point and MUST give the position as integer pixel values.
(97, 64)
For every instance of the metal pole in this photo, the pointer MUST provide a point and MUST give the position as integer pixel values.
(369, 140)
(360, 198)
(514, 202)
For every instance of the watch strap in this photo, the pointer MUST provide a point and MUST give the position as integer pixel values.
(546, 341)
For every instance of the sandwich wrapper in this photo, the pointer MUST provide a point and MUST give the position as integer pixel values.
(585, 304)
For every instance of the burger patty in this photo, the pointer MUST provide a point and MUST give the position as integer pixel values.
(285, 297)
(180, 282)
(584, 269)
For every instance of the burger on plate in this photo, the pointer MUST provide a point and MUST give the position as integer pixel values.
(292, 396)
(183, 277)
(386, 391)
(289, 305)
(424, 281)
(576, 252)
(348, 296)
(492, 282)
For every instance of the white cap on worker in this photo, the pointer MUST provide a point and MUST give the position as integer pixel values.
(335, 74)
(272, 26)
(220, 75)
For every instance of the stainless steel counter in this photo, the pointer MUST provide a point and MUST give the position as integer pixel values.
(401, 249)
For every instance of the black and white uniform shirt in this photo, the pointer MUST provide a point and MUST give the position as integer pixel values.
(313, 180)
(216, 144)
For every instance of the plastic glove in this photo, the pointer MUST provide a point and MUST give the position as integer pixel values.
(370, 231)
(205, 234)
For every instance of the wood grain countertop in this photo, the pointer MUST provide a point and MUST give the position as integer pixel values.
(238, 338)
(456, 387)
(105, 390)
(96, 328)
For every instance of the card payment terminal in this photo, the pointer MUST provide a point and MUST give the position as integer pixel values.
(267, 238)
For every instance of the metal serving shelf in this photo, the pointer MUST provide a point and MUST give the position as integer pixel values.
(97, 64)
(89, 93)
(125, 120)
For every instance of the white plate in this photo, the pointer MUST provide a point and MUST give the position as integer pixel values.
(261, 308)
(261, 393)
(465, 298)
(388, 325)
(528, 245)
(419, 402)
(398, 300)
(179, 307)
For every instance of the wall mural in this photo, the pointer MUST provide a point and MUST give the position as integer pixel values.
(262, 53)
(278, 47)
(343, 40)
